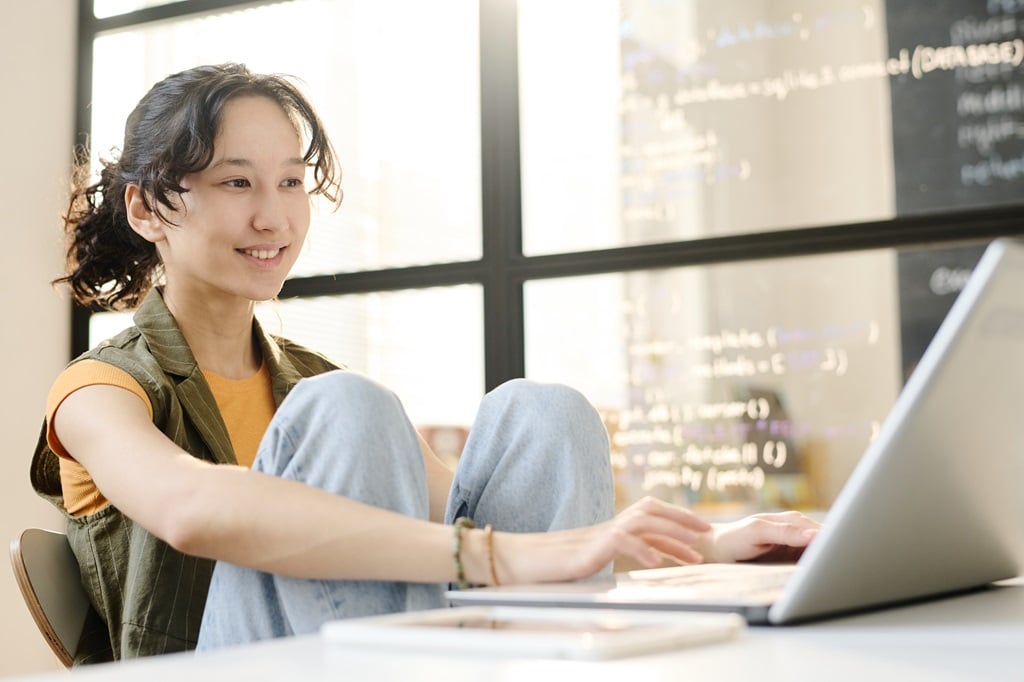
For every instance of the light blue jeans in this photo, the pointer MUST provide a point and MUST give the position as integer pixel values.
(536, 459)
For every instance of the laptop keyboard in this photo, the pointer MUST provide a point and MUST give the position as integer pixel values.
(740, 582)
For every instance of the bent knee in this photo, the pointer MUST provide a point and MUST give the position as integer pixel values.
(552, 398)
(343, 389)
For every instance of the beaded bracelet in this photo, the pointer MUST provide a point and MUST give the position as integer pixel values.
(460, 572)
(490, 554)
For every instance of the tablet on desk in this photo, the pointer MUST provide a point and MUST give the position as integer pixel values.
(542, 632)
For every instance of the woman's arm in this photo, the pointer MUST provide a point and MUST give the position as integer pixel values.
(251, 519)
(233, 513)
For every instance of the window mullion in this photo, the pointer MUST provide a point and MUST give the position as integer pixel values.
(500, 190)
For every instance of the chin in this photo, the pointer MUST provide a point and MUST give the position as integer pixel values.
(264, 290)
(260, 295)
(262, 298)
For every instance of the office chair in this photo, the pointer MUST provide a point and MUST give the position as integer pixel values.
(47, 574)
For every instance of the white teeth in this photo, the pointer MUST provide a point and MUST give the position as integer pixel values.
(262, 254)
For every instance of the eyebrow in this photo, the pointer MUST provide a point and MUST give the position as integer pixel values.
(246, 163)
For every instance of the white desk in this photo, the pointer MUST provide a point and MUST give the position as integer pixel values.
(975, 637)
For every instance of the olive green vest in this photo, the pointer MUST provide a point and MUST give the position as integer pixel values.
(148, 598)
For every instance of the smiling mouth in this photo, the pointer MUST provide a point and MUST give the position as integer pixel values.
(261, 254)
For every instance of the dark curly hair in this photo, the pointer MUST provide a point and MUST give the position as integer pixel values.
(169, 135)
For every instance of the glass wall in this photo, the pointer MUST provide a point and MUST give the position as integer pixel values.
(752, 383)
(735, 225)
(744, 387)
(665, 121)
(424, 344)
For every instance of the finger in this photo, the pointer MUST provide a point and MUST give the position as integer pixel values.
(677, 514)
(652, 525)
(635, 547)
(789, 534)
(678, 551)
(790, 517)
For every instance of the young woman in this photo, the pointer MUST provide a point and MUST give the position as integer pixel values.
(195, 439)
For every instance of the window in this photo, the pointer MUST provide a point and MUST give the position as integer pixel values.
(669, 121)
(110, 8)
(733, 225)
(424, 344)
(732, 389)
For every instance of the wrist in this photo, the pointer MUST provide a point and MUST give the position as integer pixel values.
(705, 546)
(476, 558)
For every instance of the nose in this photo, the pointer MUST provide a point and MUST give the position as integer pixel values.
(269, 211)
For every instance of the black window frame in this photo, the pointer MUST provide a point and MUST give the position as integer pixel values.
(503, 269)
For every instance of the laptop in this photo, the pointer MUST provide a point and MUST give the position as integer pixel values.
(935, 506)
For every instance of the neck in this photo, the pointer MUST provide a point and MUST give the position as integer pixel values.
(218, 332)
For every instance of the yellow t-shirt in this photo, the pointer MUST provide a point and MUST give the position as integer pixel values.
(246, 405)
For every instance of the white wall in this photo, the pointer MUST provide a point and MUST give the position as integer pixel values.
(37, 51)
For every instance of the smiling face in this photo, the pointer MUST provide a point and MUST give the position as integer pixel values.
(243, 219)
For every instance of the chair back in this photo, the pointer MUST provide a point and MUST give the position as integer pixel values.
(50, 581)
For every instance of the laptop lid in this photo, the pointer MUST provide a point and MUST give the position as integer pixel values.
(935, 504)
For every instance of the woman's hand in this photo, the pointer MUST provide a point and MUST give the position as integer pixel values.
(646, 532)
(780, 536)
(650, 530)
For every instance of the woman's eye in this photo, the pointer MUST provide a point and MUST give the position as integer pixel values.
(292, 182)
(237, 182)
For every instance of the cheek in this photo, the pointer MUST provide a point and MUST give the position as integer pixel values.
(299, 222)
(300, 219)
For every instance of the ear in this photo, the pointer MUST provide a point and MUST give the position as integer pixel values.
(146, 223)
